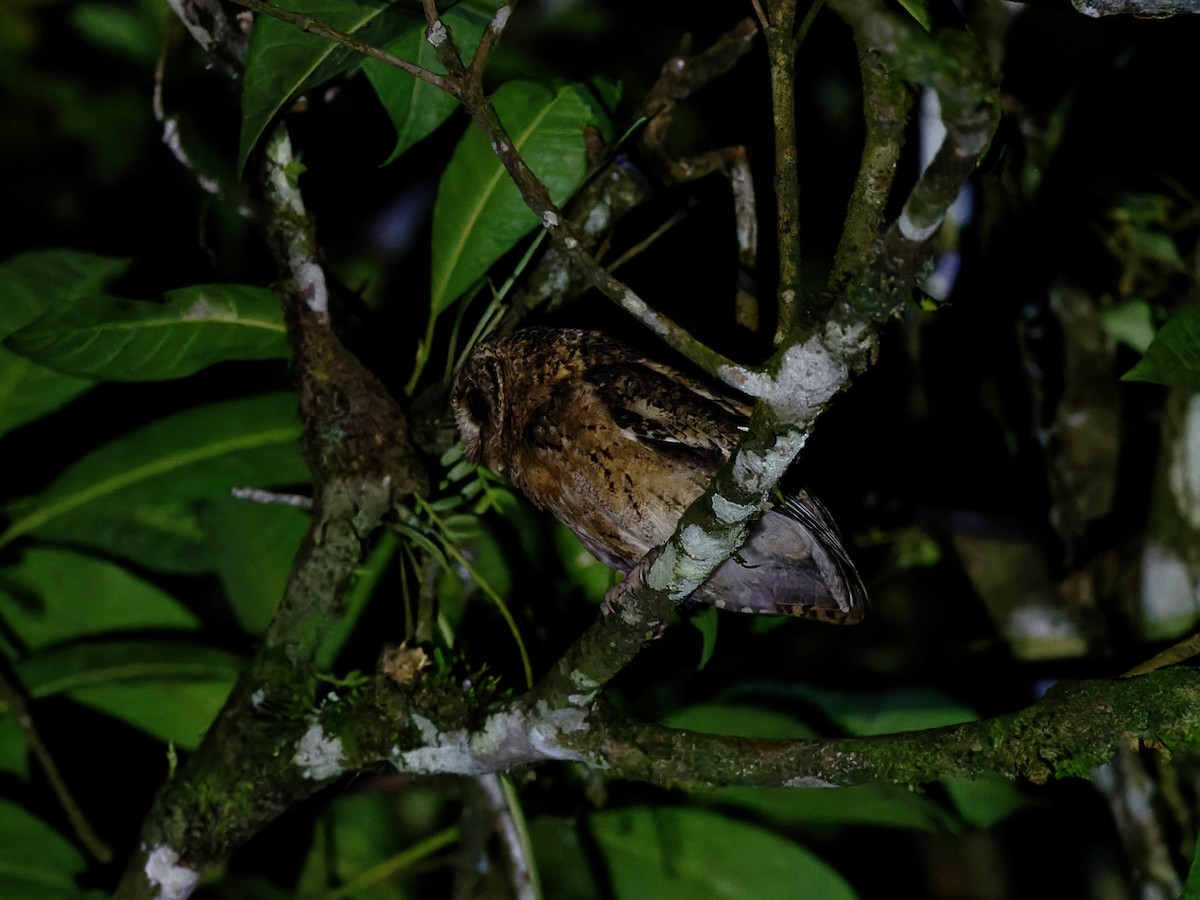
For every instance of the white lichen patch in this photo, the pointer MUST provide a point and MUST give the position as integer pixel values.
(310, 280)
(663, 576)
(444, 751)
(729, 512)
(257, 698)
(809, 375)
(501, 18)
(173, 881)
(545, 732)
(320, 756)
(550, 219)
(437, 33)
(704, 550)
(583, 682)
(758, 472)
(636, 306)
(809, 781)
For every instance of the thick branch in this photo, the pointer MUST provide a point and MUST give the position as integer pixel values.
(1072, 730)
(355, 440)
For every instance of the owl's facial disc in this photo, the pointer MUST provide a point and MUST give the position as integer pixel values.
(474, 401)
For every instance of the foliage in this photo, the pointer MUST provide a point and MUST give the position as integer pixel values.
(145, 372)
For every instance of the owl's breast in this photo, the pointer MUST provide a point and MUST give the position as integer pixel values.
(621, 496)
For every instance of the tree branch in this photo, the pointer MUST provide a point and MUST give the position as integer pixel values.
(355, 441)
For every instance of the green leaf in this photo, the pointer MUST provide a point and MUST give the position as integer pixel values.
(14, 745)
(1173, 357)
(36, 862)
(561, 858)
(985, 800)
(1131, 322)
(700, 854)
(253, 546)
(168, 689)
(1191, 888)
(873, 805)
(705, 622)
(738, 720)
(416, 107)
(587, 573)
(886, 712)
(160, 535)
(104, 337)
(29, 391)
(479, 214)
(38, 280)
(133, 33)
(284, 61)
(199, 453)
(53, 595)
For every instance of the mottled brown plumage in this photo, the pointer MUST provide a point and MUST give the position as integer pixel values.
(617, 446)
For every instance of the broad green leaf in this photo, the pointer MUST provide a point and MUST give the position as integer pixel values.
(168, 689)
(364, 833)
(874, 805)
(738, 720)
(177, 711)
(160, 535)
(283, 61)
(416, 107)
(53, 595)
(133, 31)
(879, 805)
(586, 572)
(38, 280)
(984, 801)
(253, 546)
(14, 745)
(479, 214)
(884, 712)
(700, 854)
(36, 862)
(1131, 322)
(104, 337)
(562, 861)
(92, 663)
(199, 453)
(1173, 357)
(29, 391)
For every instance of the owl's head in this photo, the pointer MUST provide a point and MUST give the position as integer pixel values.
(478, 402)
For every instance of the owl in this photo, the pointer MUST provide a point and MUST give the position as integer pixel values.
(617, 446)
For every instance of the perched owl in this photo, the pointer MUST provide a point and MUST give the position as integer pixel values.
(617, 446)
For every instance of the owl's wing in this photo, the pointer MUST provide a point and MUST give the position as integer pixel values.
(658, 405)
(793, 564)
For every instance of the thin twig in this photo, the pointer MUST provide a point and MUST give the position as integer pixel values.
(491, 36)
(173, 141)
(781, 58)
(507, 820)
(92, 842)
(313, 25)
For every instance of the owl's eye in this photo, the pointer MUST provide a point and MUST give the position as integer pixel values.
(478, 406)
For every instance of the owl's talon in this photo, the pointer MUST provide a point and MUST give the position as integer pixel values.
(634, 580)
